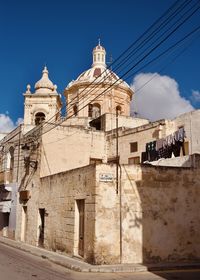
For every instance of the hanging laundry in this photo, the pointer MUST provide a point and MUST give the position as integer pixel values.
(163, 148)
(159, 144)
(151, 151)
(176, 149)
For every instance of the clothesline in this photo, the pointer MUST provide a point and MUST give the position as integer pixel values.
(165, 147)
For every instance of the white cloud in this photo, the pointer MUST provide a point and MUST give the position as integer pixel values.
(6, 124)
(19, 121)
(157, 97)
(196, 96)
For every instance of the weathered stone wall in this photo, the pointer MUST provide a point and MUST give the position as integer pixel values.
(156, 207)
(27, 225)
(57, 194)
(160, 215)
(66, 148)
(107, 234)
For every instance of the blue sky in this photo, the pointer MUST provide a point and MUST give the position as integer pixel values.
(62, 35)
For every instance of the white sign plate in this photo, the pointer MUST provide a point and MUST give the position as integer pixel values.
(105, 177)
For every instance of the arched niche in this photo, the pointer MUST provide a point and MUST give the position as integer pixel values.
(39, 118)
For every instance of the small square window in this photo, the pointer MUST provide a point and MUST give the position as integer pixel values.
(133, 147)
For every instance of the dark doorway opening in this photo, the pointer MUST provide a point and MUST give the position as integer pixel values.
(81, 210)
(41, 227)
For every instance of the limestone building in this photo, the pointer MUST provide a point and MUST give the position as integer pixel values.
(42, 105)
(81, 186)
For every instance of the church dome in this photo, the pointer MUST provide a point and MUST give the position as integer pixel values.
(99, 73)
(99, 47)
(105, 91)
(45, 85)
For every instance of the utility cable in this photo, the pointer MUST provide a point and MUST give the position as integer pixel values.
(160, 18)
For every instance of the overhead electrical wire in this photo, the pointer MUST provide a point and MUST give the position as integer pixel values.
(166, 51)
(163, 24)
(160, 70)
(155, 47)
(81, 108)
(164, 33)
(144, 41)
(96, 97)
(145, 56)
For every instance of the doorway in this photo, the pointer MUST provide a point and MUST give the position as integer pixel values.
(5, 223)
(41, 227)
(24, 223)
(80, 203)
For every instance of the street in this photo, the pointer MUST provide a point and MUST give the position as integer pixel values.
(18, 265)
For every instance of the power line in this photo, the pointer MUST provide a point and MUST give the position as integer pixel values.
(166, 37)
(164, 33)
(174, 45)
(152, 26)
(155, 32)
(56, 124)
(167, 50)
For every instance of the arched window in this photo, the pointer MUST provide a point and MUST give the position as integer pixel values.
(95, 58)
(39, 118)
(119, 110)
(94, 110)
(98, 56)
(75, 110)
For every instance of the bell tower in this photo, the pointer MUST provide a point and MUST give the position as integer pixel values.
(42, 105)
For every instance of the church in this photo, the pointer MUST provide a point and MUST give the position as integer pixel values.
(97, 183)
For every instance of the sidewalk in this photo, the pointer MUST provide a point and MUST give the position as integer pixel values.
(78, 265)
